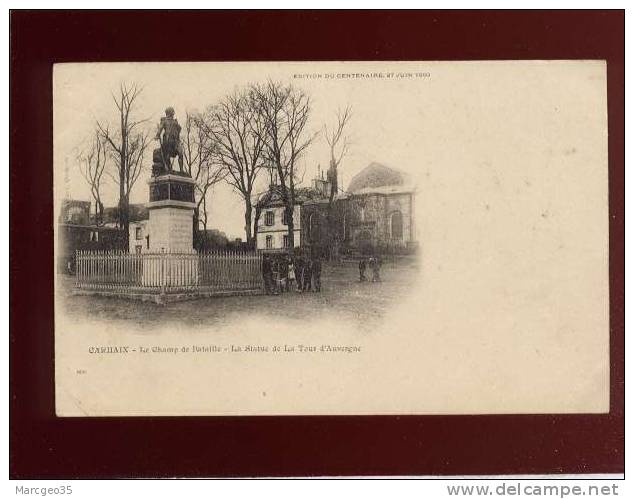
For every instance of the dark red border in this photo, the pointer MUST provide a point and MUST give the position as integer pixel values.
(43, 446)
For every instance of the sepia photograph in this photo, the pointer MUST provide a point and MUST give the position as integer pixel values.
(261, 245)
(329, 238)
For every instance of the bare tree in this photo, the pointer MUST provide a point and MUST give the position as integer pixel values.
(92, 162)
(285, 111)
(126, 146)
(198, 149)
(236, 131)
(339, 144)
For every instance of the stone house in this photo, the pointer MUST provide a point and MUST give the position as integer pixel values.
(272, 223)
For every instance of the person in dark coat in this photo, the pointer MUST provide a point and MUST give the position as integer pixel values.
(317, 275)
(299, 273)
(362, 266)
(308, 274)
(274, 275)
(376, 269)
(267, 274)
(284, 274)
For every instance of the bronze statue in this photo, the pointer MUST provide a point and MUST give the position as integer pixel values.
(168, 135)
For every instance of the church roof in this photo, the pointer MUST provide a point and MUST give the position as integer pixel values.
(272, 196)
(377, 175)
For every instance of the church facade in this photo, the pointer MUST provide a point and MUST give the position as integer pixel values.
(381, 218)
(375, 214)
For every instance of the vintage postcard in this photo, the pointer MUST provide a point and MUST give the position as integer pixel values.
(331, 238)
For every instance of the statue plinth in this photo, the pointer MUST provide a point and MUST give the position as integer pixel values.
(171, 211)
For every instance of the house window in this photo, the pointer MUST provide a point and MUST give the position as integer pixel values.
(269, 218)
(269, 242)
(147, 241)
(138, 248)
(286, 241)
(138, 232)
(94, 236)
(396, 222)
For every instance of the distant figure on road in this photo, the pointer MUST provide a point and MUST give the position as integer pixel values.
(375, 265)
(362, 266)
(317, 275)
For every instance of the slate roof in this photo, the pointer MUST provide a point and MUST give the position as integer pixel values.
(377, 175)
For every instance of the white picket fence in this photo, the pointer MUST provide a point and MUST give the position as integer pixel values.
(168, 272)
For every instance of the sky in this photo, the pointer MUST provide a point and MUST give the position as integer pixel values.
(381, 105)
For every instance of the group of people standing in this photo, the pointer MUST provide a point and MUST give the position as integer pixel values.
(375, 266)
(285, 273)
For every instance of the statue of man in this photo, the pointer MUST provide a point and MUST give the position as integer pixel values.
(170, 138)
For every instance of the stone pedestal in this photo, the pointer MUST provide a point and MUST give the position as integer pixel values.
(172, 262)
(171, 213)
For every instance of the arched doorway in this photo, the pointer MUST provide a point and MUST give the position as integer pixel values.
(364, 241)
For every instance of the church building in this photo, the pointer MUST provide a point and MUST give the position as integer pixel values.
(376, 213)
